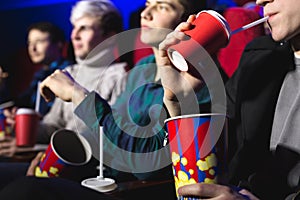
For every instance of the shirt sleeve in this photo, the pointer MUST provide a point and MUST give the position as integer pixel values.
(51, 122)
(125, 145)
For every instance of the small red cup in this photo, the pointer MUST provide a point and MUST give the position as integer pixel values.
(66, 148)
(211, 32)
(27, 121)
(198, 145)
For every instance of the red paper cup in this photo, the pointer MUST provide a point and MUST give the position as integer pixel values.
(26, 127)
(198, 145)
(66, 148)
(211, 32)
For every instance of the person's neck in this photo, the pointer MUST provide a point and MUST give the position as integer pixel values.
(47, 63)
(157, 75)
(296, 44)
(100, 58)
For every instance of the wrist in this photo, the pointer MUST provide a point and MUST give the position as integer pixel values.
(173, 107)
(79, 95)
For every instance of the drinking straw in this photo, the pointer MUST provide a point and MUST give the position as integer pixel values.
(250, 25)
(101, 153)
(38, 98)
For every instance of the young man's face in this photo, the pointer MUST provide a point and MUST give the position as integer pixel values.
(86, 35)
(284, 20)
(40, 48)
(159, 14)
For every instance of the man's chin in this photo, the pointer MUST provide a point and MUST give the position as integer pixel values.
(36, 61)
(81, 55)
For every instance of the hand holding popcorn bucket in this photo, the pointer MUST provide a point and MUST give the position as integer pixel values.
(66, 148)
(198, 145)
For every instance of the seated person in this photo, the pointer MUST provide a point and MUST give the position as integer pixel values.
(262, 106)
(45, 46)
(93, 22)
(134, 138)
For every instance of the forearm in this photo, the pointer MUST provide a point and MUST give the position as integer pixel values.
(91, 110)
(192, 103)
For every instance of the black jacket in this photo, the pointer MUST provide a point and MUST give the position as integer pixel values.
(252, 94)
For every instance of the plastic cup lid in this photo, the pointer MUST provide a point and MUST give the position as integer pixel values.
(25, 111)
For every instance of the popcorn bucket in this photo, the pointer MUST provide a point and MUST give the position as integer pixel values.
(198, 145)
(66, 148)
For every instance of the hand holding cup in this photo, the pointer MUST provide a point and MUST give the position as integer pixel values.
(62, 85)
(209, 31)
(187, 82)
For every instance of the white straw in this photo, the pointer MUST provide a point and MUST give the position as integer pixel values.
(38, 98)
(101, 153)
(250, 25)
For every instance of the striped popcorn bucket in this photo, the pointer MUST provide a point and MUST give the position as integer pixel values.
(198, 145)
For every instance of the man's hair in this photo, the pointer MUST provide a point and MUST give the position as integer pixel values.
(110, 19)
(56, 33)
(192, 7)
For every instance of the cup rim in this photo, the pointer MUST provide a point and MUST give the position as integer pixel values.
(194, 115)
(220, 18)
(85, 144)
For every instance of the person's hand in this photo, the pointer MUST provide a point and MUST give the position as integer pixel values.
(61, 84)
(34, 163)
(177, 84)
(8, 147)
(3, 75)
(10, 114)
(215, 191)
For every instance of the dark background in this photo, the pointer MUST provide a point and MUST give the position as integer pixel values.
(17, 15)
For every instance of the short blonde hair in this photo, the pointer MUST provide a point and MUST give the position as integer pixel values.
(109, 17)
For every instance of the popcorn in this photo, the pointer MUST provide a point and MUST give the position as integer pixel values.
(40, 173)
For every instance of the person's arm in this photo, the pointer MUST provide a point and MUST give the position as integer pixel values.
(122, 133)
(215, 191)
(180, 87)
(127, 145)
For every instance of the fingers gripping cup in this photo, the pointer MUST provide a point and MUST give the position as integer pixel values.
(211, 32)
(66, 148)
(198, 145)
(26, 127)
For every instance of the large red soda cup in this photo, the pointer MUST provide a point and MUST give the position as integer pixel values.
(211, 32)
(66, 148)
(198, 145)
(27, 121)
